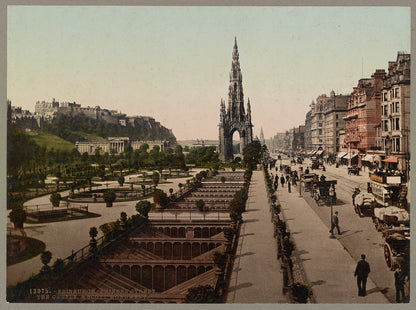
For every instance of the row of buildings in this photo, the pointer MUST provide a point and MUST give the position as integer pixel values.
(371, 125)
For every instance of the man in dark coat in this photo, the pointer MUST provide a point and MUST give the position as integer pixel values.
(282, 180)
(399, 279)
(361, 272)
(335, 223)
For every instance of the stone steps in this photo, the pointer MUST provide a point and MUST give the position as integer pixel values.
(206, 278)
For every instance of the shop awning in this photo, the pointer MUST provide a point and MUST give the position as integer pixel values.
(300, 152)
(368, 157)
(319, 152)
(390, 159)
(350, 156)
(341, 154)
(313, 152)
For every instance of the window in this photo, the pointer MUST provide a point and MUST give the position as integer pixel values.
(396, 92)
(385, 125)
(320, 132)
(397, 110)
(320, 124)
(336, 124)
(336, 116)
(397, 144)
(337, 141)
(397, 124)
(384, 112)
(385, 96)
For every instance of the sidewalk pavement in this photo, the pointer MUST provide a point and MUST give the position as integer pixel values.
(329, 268)
(256, 275)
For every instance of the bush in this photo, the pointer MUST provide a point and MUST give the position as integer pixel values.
(18, 216)
(143, 207)
(109, 196)
(55, 198)
(121, 180)
(222, 179)
(277, 208)
(220, 259)
(160, 198)
(155, 178)
(300, 292)
(201, 294)
(200, 204)
(58, 267)
(93, 232)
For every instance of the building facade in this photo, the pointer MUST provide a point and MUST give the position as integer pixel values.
(395, 114)
(335, 108)
(307, 136)
(116, 145)
(363, 116)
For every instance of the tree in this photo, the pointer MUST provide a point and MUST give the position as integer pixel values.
(220, 259)
(58, 267)
(300, 292)
(200, 204)
(201, 294)
(46, 258)
(223, 179)
(143, 207)
(93, 232)
(18, 216)
(121, 180)
(155, 178)
(109, 197)
(160, 198)
(55, 198)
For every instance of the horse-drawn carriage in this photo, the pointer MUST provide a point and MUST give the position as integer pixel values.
(324, 191)
(354, 170)
(308, 179)
(397, 247)
(363, 203)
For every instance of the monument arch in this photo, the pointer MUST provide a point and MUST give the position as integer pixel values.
(234, 118)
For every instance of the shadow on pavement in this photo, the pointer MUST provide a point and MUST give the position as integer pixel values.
(377, 289)
(247, 234)
(319, 282)
(250, 221)
(244, 254)
(251, 210)
(239, 286)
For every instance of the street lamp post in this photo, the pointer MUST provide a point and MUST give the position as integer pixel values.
(331, 195)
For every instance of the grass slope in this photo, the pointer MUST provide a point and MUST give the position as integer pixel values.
(50, 141)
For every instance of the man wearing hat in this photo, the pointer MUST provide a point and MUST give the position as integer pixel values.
(334, 223)
(361, 272)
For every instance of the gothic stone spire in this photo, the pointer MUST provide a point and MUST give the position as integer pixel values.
(235, 92)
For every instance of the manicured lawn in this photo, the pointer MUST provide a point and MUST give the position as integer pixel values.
(34, 248)
(84, 216)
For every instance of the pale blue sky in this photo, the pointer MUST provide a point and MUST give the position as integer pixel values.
(173, 63)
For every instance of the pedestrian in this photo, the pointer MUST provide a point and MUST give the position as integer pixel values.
(399, 278)
(334, 223)
(288, 187)
(361, 272)
(282, 180)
